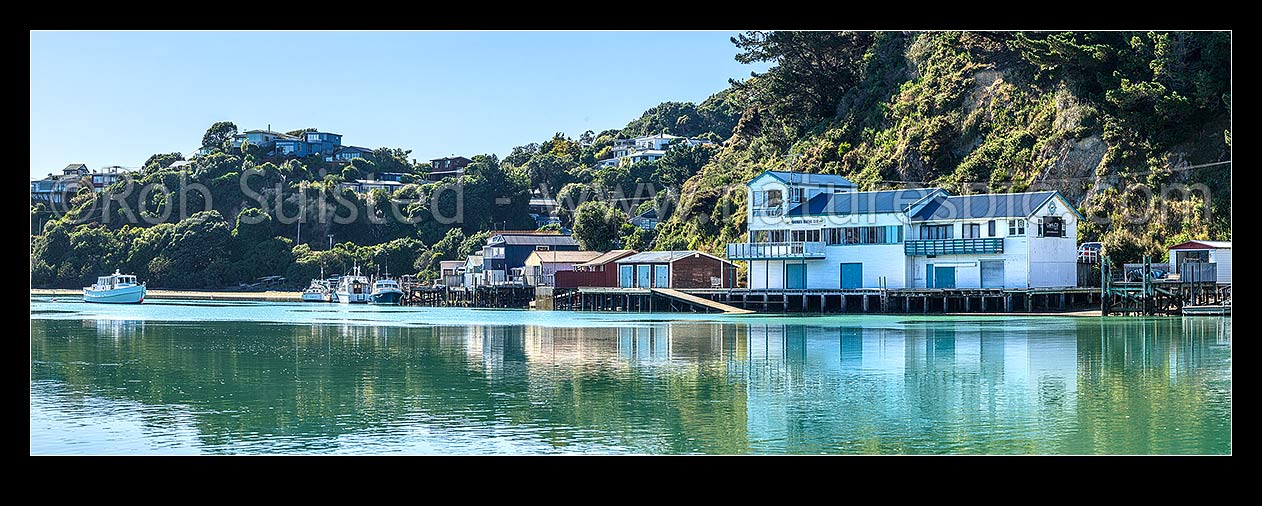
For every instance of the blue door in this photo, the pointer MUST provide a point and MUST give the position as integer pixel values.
(944, 277)
(624, 276)
(795, 276)
(661, 276)
(642, 275)
(852, 275)
(929, 276)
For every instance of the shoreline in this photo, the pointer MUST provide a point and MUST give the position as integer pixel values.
(268, 296)
(275, 296)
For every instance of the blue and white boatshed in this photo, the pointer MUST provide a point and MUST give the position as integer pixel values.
(812, 231)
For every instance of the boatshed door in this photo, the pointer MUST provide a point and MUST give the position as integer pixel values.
(944, 277)
(661, 276)
(624, 276)
(852, 275)
(992, 273)
(642, 275)
(795, 276)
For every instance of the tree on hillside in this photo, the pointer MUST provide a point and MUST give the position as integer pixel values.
(161, 161)
(597, 226)
(811, 71)
(218, 134)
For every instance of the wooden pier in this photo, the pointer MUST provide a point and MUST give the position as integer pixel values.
(1148, 296)
(500, 296)
(908, 301)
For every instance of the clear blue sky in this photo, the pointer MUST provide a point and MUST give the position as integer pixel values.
(114, 98)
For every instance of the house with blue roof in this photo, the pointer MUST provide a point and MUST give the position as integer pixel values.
(814, 231)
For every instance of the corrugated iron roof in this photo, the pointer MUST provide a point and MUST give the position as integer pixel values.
(1203, 245)
(549, 240)
(572, 257)
(993, 205)
(810, 179)
(887, 201)
(609, 257)
(658, 257)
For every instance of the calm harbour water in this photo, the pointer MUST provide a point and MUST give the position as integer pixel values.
(172, 377)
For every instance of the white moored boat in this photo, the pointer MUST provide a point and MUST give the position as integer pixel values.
(353, 288)
(318, 292)
(116, 288)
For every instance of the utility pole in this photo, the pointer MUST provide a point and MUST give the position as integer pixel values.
(330, 241)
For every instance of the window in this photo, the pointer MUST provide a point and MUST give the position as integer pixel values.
(796, 194)
(864, 235)
(990, 228)
(542, 247)
(937, 232)
(774, 198)
(1016, 227)
(971, 230)
(758, 236)
(776, 235)
(805, 236)
(833, 235)
(1051, 226)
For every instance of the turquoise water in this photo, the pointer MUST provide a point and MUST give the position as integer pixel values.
(173, 377)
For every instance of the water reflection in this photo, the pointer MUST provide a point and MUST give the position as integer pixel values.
(855, 385)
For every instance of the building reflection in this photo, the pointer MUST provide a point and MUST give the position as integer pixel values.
(858, 385)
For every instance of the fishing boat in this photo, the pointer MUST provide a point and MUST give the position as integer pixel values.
(318, 292)
(353, 288)
(116, 288)
(386, 291)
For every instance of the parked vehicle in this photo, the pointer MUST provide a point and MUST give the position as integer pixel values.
(1089, 252)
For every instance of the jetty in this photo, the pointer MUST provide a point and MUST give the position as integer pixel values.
(1195, 291)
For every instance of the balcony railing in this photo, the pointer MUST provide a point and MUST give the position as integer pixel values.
(974, 246)
(774, 250)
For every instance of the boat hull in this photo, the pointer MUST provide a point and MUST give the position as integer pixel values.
(126, 295)
(315, 297)
(389, 298)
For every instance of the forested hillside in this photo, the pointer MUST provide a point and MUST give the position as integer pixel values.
(1113, 120)
(1129, 126)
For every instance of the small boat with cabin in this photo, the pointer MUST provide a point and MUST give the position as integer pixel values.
(353, 288)
(386, 291)
(319, 291)
(116, 288)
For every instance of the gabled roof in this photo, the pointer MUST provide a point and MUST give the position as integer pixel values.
(651, 214)
(609, 257)
(887, 201)
(75, 166)
(452, 158)
(804, 178)
(1203, 245)
(570, 257)
(450, 263)
(991, 205)
(354, 148)
(533, 239)
(660, 257)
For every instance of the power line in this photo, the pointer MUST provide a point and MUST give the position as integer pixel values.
(1068, 179)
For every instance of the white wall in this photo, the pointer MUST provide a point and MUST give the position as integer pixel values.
(1223, 258)
(765, 274)
(1053, 260)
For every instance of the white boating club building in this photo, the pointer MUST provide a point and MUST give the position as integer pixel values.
(814, 231)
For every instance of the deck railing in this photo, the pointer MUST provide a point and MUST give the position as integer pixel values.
(973, 246)
(774, 250)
